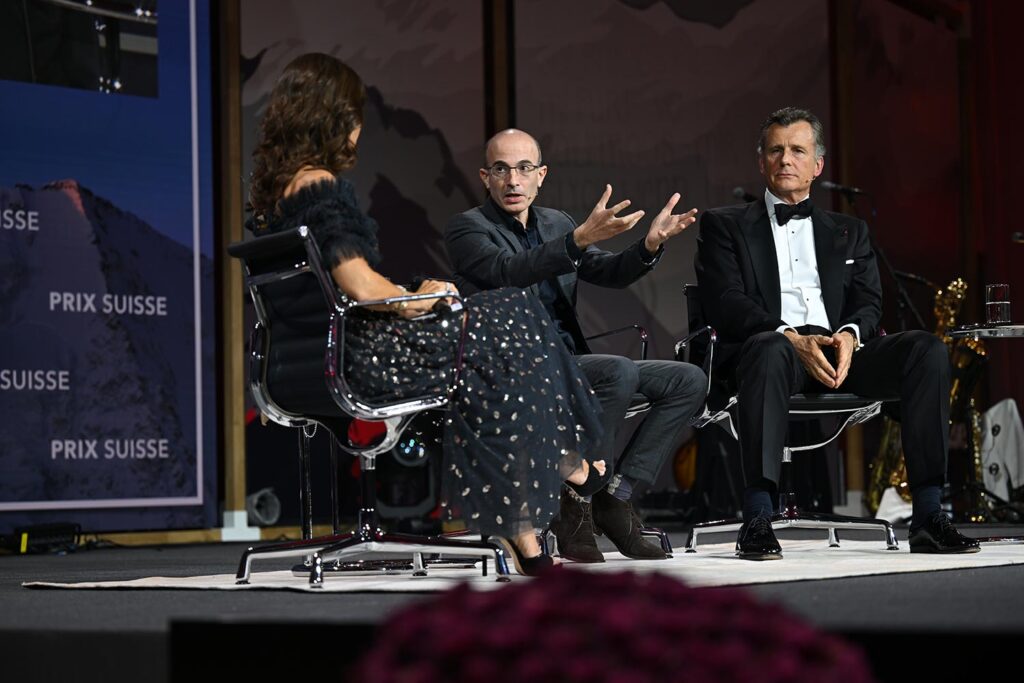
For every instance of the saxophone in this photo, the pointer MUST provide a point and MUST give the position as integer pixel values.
(967, 358)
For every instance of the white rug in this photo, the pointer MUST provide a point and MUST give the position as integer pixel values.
(712, 565)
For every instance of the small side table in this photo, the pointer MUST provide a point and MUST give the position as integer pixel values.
(990, 331)
(987, 331)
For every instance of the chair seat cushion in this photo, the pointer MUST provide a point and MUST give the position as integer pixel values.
(838, 401)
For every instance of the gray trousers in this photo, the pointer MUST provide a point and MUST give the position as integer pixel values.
(676, 392)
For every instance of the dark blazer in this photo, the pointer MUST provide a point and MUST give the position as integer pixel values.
(738, 273)
(485, 254)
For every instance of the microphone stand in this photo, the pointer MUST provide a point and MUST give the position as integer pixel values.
(903, 301)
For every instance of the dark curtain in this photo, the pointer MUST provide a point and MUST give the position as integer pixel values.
(997, 175)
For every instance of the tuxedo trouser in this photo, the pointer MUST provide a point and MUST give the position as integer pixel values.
(912, 365)
(676, 392)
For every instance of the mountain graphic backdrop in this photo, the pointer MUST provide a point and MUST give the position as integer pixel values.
(131, 377)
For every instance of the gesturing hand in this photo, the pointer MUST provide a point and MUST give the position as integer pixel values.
(602, 223)
(667, 225)
(808, 349)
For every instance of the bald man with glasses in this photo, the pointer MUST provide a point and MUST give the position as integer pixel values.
(509, 242)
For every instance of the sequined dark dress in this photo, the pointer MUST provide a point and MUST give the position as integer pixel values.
(522, 414)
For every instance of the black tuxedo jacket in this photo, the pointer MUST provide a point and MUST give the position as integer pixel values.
(738, 274)
(485, 254)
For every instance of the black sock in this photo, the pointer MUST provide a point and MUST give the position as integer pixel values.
(927, 501)
(757, 502)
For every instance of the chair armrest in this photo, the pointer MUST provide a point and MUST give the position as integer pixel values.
(387, 301)
(640, 329)
(683, 346)
(684, 343)
(682, 352)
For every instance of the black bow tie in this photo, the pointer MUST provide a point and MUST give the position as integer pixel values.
(783, 212)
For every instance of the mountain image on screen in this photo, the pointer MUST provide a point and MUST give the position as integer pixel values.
(97, 329)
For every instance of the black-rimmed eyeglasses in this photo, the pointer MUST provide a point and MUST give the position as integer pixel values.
(500, 170)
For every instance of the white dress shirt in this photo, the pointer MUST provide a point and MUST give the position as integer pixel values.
(799, 283)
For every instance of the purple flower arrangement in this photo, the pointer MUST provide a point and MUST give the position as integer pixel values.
(573, 626)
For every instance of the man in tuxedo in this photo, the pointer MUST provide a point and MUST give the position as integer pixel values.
(794, 294)
(509, 242)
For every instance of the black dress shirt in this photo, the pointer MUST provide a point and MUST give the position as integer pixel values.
(548, 291)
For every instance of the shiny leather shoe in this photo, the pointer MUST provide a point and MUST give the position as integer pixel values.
(538, 565)
(756, 540)
(938, 535)
(619, 522)
(574, 530)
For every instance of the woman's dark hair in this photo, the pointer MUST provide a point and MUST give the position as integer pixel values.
(314, 107)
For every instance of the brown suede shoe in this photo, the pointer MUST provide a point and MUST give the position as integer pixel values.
(574, 529)
(620, 523)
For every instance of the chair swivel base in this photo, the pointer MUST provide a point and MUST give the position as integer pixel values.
(794, 519)
(654, 532)
(389, 566)
(320, 553)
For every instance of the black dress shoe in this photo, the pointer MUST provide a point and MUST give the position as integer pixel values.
(756, 540)
(538, 565)
(574, 530)
(619, 522)
(938, 535)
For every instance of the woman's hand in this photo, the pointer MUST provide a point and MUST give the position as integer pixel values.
(417, 308)
(359, 281)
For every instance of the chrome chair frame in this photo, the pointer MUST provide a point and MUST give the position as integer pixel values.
(640, 403)
(321, 554)
(856, 409)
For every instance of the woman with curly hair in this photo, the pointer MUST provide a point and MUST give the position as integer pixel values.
(522, 413)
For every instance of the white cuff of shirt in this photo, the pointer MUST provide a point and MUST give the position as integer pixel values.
(848, 326)
(856, 332)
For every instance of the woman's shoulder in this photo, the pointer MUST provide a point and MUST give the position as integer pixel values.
(321, 201)
(316, 187)
(306, 177)
(310, 196)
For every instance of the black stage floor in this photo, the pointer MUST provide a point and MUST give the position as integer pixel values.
(951, 625)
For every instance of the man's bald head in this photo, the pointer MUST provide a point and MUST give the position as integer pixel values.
(510, 136)
(513, 172)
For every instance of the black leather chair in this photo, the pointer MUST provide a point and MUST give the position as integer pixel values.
(698, 347)
(297, 378)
